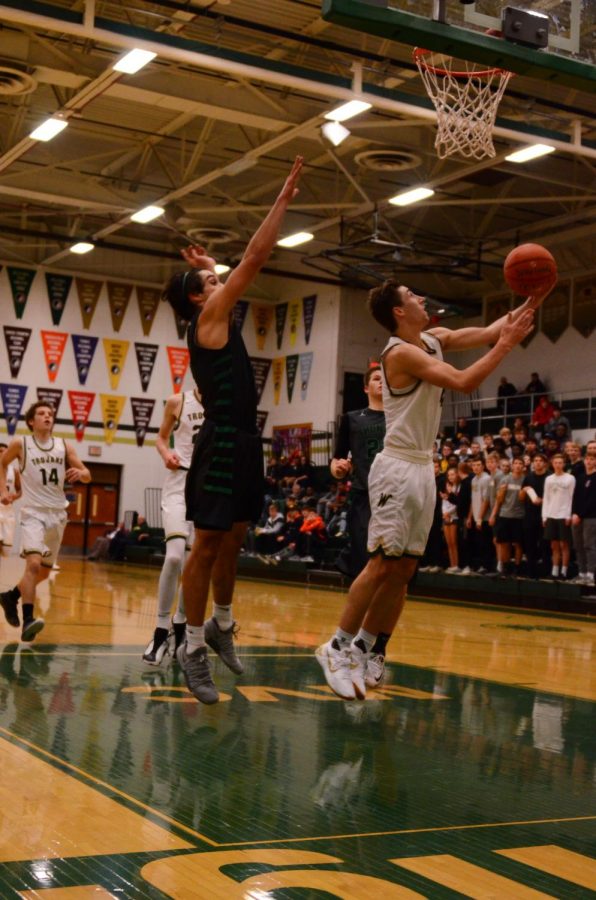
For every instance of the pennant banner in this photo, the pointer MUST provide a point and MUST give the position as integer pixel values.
(13, 396)
(84, 347)
(146, 354)
(294, 316)
(51, 396)
(16, 344)
(278, 374)
(53, 348)
(281, 312)
(554, 312)
(148, 300)
(239, 313)
(261, 419)
(58, 288)
(260, 368)
(118, 298)
(308, 313)
(262, 317)
(179, 358)
(291, 369)
(584, 305)
(181, 326)
(80, 407)
(88, 292)
(115, 351)
(142, 410)
(111, 410)
(20, 285)
(305, 367)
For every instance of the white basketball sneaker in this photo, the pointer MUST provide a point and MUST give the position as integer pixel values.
(374, 675)
(337, 667)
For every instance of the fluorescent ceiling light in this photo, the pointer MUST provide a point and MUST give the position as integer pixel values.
(412, 196)
(347, 110)
(441, 310)
(134, 61)
(293, 240)
(147, 214)
(533, 151)
(221, 269)
(335, 132)
(48, 129)
(82, 247)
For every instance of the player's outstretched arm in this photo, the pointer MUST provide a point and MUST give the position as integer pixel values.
(75, 471)
(171, 414)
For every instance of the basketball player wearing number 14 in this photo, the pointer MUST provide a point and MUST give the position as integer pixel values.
(401, 483)
(46, 462)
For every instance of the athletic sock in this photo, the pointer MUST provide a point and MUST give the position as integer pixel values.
(341, 639)
(163, 622)
(563, 571)
(27, 611)
(195, 637)
(555, 572)
(179, 617)
(223, 616)
(380, 645)
(365, 641)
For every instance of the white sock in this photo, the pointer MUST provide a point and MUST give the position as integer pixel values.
(564, 571)
(180, 614)
(164, 622)
(168, 577)
(367, 639)
(223, 616)
(343, 638)
(555, 572)
(195, 637)
(499, 567)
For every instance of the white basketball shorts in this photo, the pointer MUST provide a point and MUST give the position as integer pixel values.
(41, 532)
(402, 502)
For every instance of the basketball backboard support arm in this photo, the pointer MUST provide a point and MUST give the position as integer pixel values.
(418, 31)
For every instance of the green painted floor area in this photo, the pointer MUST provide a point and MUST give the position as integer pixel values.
(441, 765)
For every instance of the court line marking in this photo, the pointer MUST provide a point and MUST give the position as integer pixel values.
(13, 738)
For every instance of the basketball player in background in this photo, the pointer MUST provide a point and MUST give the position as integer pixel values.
(182, 419)
(7, 513)
(401, 483)
(46, 463)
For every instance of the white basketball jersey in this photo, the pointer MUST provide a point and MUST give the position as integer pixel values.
(42, 473)
(187, 427)
(413, 413)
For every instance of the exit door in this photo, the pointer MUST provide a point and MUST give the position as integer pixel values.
(93, 507)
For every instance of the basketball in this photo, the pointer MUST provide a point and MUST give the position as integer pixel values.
(529, 268)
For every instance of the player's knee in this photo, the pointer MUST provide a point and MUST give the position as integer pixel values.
(34, 566)
(174, 554)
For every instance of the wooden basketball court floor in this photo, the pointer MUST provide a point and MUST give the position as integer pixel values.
(472, 773)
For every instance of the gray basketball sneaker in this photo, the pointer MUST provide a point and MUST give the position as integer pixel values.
(196, 670)
(223, 644)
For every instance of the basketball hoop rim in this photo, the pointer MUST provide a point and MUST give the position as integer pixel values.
(419, 54)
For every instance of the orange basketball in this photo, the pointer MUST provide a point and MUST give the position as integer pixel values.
(529, 268)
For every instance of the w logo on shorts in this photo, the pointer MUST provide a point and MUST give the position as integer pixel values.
(383, 499)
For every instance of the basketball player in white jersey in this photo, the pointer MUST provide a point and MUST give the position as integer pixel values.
(401, 483)
(46, 462)
(13, 492)
(183, 417)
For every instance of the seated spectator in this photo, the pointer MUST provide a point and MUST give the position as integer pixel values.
(325, 500)
(337, 526)
(101, 547)
(140, 531)
(312, 536)
(463, 429)
(543, 413)
(273, 476)
(117, 548)
(286, 543)
(305, 472)
(557, 419)
(535, 385)
(265, 535)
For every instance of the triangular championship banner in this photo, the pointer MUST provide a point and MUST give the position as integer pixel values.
(261, 419)
(111, 410)
(262, 317)
(118, 298)
(260, 368)
(13, 396)
(148, 300)
(88, 292)
(53, 348)
(305, 367)
(239, 313)
(555, 310)
(281, 313)
(179, 358)
(20, 285)
(115, 351)
(84, 347)
(291, 369)
(146, 354)
(181, 326)
(142, 410)
(308, 313)
(294, 317)
(583, 314)
(16, 344)
(58, 288)
(277, 367)
(80, 407)
(51, 396)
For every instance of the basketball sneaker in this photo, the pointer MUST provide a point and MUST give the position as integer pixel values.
(31, 627)
(374, 673)
(157, 648)
(223, 643)
(336, 664)
(9, 604)
(358, 663)
(197, 673)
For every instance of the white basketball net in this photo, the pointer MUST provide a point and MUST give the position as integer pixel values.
(466, 102)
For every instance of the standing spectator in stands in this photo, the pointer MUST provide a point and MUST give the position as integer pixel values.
(557, 418)
(532, 493)
(573, 458)
(273, 476)
(583, 521)
(449, 512)
(505, 391)
(487, 445)
(306, 472)
(535, 385)
(507, 518)
(475, 449)
(464, 501)
(543, 413)
(479, 531)
(432, 559)
(550, 446)
(463, 429)
(556, 514)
